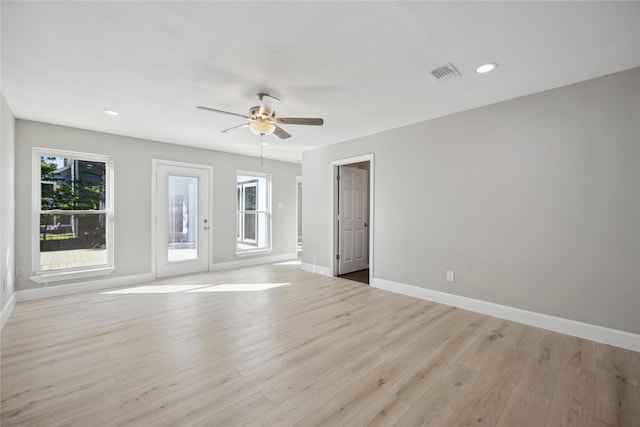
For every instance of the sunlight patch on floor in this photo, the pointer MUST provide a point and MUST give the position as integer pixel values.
(170, 289)
(294, 262)
(240, 287)
(155, 289)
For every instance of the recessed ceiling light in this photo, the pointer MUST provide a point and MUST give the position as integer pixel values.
(264, 143)
(485, 68)
(111, 113)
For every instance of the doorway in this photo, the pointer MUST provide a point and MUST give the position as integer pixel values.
(182, 218)
(353, 234)
(299, 214)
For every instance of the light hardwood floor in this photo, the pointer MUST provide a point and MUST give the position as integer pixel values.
(273, 345)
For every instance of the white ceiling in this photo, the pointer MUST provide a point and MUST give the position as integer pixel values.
(362, 66)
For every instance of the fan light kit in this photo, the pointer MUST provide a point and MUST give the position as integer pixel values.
(262, 118)
(485, 68)
(262, 127)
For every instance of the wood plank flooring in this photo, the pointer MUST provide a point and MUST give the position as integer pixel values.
(275, 346)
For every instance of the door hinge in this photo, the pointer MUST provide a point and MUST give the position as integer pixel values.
(338, 257)
(338, 177)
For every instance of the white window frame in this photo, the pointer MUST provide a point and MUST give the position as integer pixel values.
(45, 276)
(241, 219)
(268, 212)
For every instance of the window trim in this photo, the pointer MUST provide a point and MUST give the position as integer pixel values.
(269, 212)
(46, 276)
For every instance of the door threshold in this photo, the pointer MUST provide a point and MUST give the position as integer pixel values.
(361, 276)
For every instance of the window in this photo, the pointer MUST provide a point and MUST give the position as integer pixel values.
(73, 215)
(253, 201)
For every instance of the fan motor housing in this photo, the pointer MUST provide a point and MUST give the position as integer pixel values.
(255, 113)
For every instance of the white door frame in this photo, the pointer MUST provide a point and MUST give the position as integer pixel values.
(333, 209)
(154, 213)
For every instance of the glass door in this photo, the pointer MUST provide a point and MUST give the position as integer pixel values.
(182, 227)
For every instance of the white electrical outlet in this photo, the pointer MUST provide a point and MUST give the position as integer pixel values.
(450, 276)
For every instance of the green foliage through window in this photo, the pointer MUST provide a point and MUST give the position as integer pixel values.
(69, 184)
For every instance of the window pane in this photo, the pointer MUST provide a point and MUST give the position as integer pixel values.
(262, 224)
(250, 226)
(239, 225)
(250, 198)
(182, 218)
(71, 241)
(72, 184)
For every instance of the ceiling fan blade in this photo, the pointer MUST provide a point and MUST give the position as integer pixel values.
(268, 105)
(244, 125)
(223, 112)
(300, 121)
(281, 133)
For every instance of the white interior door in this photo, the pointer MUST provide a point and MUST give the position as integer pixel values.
(353, 219)
(182, 222)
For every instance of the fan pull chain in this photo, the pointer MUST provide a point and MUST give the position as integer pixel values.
(261, 149)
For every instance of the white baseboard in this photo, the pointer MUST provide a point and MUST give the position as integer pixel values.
(315, 269)
(588, 331)
(8, 308)
(91, 285)
(248, 262)
(116, 282)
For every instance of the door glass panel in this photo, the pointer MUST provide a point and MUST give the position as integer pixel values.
(182, 218)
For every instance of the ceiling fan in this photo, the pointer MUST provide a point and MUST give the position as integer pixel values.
(262, 118)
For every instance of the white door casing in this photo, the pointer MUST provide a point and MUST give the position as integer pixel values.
(353, 219)
(182, 219)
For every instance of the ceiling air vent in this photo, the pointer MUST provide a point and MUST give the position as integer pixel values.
(446, 72)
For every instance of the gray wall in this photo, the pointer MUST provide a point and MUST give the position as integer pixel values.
(7, 203)
(533, 202)
(132, 162)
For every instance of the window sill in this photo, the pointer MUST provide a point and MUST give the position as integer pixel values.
(60, 276)
(252, 252)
